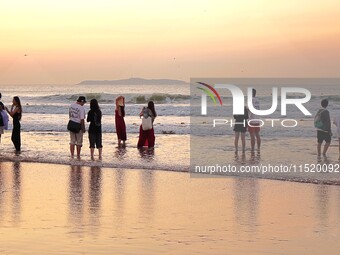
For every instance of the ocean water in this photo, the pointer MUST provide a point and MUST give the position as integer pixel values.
(45, 138)
(45, 107)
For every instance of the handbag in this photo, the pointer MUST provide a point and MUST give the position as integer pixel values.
(73, 126)
(147, 123)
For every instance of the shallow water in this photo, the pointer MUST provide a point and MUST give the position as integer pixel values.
(57, 209)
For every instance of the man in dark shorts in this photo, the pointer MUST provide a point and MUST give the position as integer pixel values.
(324, 132)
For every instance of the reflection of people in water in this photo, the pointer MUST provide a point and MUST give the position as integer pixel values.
(76, 195)
(147, 154)
(16, 197)
(120, 152)
(95, 195)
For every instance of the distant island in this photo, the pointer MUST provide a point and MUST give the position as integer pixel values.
(134, 81)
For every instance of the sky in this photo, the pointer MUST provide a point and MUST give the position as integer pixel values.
(65, 42)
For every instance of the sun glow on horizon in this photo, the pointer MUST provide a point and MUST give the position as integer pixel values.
(69, 41)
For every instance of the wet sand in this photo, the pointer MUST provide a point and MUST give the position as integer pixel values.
(59, 209)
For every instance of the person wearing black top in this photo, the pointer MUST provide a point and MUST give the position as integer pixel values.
(15, 113)
(94, 116)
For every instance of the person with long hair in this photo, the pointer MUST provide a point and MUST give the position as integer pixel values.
(16, 114)
(94, 116)
(147, 134)
(119, 120)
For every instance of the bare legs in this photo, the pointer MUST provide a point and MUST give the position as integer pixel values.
(325, 148)
(99, 151)
(243, 140)
(72, 150)
(255, 136)
(72, 146)
(120, 142)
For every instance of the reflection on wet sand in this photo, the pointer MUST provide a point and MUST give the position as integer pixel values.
(95, 196)
(146, 194)
(16, 194)
(322, 203)
(246, 202)
(10, 193)
(76, 197)
(113, 211)
(119, 197)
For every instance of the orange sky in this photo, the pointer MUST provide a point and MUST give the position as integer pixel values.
(70, 41)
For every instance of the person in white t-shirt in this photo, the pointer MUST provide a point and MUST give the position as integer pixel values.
(254, 124)
(337, 124)
(77, 114)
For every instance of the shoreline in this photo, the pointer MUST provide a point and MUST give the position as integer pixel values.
(96, 210)
(192, 175)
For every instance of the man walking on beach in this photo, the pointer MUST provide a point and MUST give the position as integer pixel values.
(77, 115)
(254, 125)
(322, 122)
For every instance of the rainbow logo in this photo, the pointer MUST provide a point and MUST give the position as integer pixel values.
(210, 91)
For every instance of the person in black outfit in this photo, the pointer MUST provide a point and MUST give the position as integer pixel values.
(240, 127)
(94, 116)
(15, 113)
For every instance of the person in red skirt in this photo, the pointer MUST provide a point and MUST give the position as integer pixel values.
(119, 120)
(146, 132)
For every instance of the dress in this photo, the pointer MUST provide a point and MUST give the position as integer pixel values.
(120, 124)
(147, 137)
(16, 138)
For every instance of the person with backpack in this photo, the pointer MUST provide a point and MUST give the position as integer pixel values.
(94, 116)
(146, 131)
(3, 119)
(322, 123)
(76, 125)
(119, 120)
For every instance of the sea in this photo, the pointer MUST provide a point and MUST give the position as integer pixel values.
(45, 116)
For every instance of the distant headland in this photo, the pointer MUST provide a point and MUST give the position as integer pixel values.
(134, 81)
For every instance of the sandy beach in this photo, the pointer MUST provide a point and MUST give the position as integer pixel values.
(59, 209)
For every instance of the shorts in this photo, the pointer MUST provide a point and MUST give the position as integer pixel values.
(323, 136)
(76, 138)
(95, 140)
(240, 128)
(254, 128)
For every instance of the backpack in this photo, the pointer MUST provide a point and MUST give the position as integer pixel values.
(1, 120)
(317, 119)
(146, 120)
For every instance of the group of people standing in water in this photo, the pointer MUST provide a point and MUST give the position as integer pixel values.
(76, 125)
